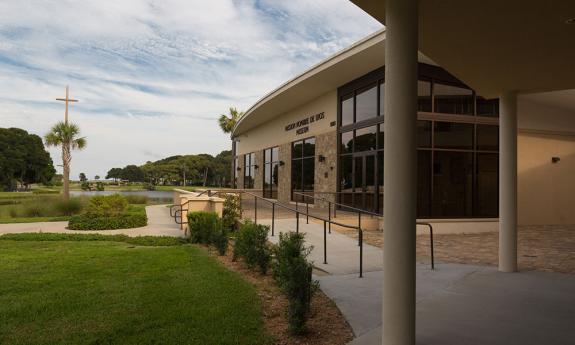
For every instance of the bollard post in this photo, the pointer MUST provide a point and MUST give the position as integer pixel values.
(359, 226)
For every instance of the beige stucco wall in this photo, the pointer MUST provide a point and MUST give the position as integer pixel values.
(273, 133)
(546, 190)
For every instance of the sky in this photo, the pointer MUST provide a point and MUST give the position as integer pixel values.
(153, 76)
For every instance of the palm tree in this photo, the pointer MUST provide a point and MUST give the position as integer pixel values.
(227, 123)
(66, 135)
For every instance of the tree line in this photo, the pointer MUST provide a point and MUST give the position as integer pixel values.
(23, 160)
(202, 169)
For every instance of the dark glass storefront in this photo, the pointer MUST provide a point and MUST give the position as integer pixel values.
(458, 146)
(303, 169)
(249, 170)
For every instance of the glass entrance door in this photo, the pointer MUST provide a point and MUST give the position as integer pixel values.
(365, 187)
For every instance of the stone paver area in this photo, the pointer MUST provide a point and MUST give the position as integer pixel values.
(542, 248)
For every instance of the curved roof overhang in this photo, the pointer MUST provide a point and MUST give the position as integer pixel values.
(337, 70)
(495, 46)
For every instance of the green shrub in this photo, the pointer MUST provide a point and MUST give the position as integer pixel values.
(232, 212)
(220, 237)
(292, 272)
(124, 221)
(251, 245)
(13, 213)
(68, 208)
(137, 199)
(106, 206)
(202, 225)
(85, 185)
(100, 186)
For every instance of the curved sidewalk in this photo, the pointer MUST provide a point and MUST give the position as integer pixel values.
(159, 224)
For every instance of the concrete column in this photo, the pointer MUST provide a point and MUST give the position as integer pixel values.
(400, 168)
(508, 182)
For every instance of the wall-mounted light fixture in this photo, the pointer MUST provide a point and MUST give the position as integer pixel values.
(282, 163)
(238, 168)
(321, 158)
(256, 167)
(555, 160)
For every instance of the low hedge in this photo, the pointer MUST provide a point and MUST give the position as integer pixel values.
(125, 221)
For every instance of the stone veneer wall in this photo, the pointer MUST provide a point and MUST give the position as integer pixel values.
(284, 183)
(240, 184)
(326, 172)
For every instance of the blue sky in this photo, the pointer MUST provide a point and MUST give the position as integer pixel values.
(152, 76)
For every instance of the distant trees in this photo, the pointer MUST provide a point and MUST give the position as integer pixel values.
(66, 135)
(198, 170)
(23, 159)
(114, 173)
(97, 177)
(83, 177)
(228, 122)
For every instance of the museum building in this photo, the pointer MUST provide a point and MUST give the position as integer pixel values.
(322, 134)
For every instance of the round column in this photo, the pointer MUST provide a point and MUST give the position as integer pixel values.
(508, 182)
(400, 168)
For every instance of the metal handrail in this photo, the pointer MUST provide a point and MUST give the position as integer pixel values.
(340, 204)
(307, 214)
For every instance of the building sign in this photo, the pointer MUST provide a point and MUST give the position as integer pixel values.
(302, 126)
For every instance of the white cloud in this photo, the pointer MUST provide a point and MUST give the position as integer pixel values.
(152, 76)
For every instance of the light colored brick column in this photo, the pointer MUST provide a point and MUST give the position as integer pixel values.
(326, 171)
(284, 186)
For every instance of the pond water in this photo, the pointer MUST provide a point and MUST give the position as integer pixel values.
(155, 196)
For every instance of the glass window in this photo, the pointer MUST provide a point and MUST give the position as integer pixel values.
(382, 98)
(346, 175)
(451, 135)
(236, 172)
(366, 103)
(346, 142)
(423, 133)
(487, 138)
(381, 136)
(309, 147)
(365, 139)
(452, 184)
(453, 100)
(423, 96)
(347, 110)
(249, 170)
(271, 173)
(487, 107)
(297, 149)
(487, 203)
(275, 154)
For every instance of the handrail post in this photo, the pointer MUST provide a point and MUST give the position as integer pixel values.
(324, 243)
(360, 253)
(329, 214)
(256, 209)
(273, 217)
(359, 226)
(297, 222)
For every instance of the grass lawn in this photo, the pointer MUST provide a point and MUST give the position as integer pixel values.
(96, 291)
(33, 219)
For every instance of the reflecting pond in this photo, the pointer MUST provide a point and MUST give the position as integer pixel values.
(155, 196)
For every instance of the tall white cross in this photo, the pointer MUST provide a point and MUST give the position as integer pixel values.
(67, 100)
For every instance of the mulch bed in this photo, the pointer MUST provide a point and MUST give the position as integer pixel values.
(326, 324)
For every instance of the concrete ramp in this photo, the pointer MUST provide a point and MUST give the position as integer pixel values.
(342, 251)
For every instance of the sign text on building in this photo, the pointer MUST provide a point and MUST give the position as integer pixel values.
(302, 126)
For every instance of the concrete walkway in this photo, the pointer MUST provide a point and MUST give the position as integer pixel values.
(342, 251)
(159, 224)
(456, 304)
